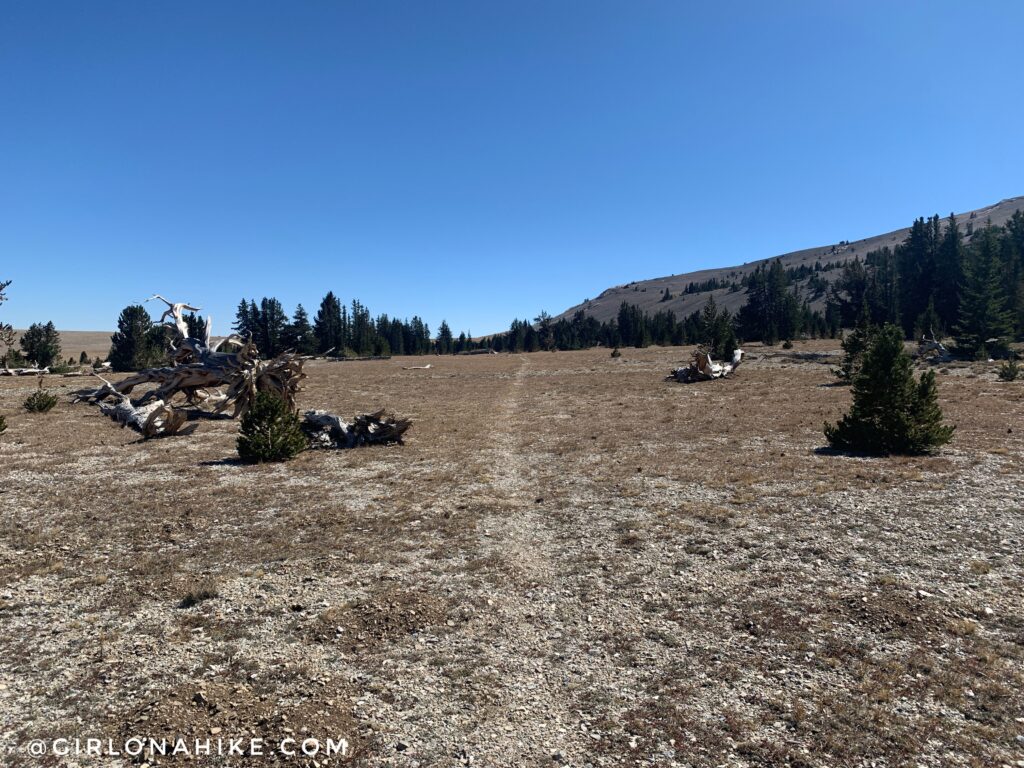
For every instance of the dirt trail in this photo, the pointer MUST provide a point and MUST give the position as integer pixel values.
(522, 537)
(535, 700)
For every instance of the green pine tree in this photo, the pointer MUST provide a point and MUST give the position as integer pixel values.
(299, 334)
(270, 431)
(445, 341)
(41, 344)
(138, 343)
(854, 344)
(891, 412)
(329, 327)
(984, 312)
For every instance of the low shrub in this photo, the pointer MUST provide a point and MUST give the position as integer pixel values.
(40, 401)
(1010, 370)
(203, 590)
(3, 425)
(270, 431)
(616, 353)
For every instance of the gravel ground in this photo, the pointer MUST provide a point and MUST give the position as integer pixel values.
(571, 562)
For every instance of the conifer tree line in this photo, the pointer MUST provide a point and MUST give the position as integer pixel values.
(710, 326)
(944, 279)
(336, 329)
(340, 330)
(773, 311)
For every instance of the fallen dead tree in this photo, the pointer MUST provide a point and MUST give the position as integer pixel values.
(154, 419)
(204, 379)
(23, 371)
(204, 375)
(325, 430)
(703, 368)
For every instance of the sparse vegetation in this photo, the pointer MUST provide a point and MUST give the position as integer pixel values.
(203, 590)
(668, 496)
(616, 352)
(891, 413)
(1009, 370)
(3, 424)
(40, 401)
(270, 431)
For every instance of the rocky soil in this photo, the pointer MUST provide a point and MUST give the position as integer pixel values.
(570, 563)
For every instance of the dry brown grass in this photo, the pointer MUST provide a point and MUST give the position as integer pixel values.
(570, 556)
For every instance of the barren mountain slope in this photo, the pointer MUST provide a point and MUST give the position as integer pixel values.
(647, 294)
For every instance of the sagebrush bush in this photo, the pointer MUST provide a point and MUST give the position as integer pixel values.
(616, 353)
(891, 413)
(270, 431)
(40, 401)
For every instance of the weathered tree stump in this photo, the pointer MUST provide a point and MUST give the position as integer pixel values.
(703, 368)
(325, 430)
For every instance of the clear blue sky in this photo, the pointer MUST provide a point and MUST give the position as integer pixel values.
(476, 161)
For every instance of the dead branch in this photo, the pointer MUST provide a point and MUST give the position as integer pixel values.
(23, 371)
(203, 376)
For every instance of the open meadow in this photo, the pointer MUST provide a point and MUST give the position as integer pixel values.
(570, 562)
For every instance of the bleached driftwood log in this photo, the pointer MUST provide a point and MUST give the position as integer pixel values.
(155, 419)
(152, 420)
(23, 371)
(202, 374)
(325, 430)
(703, 368)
